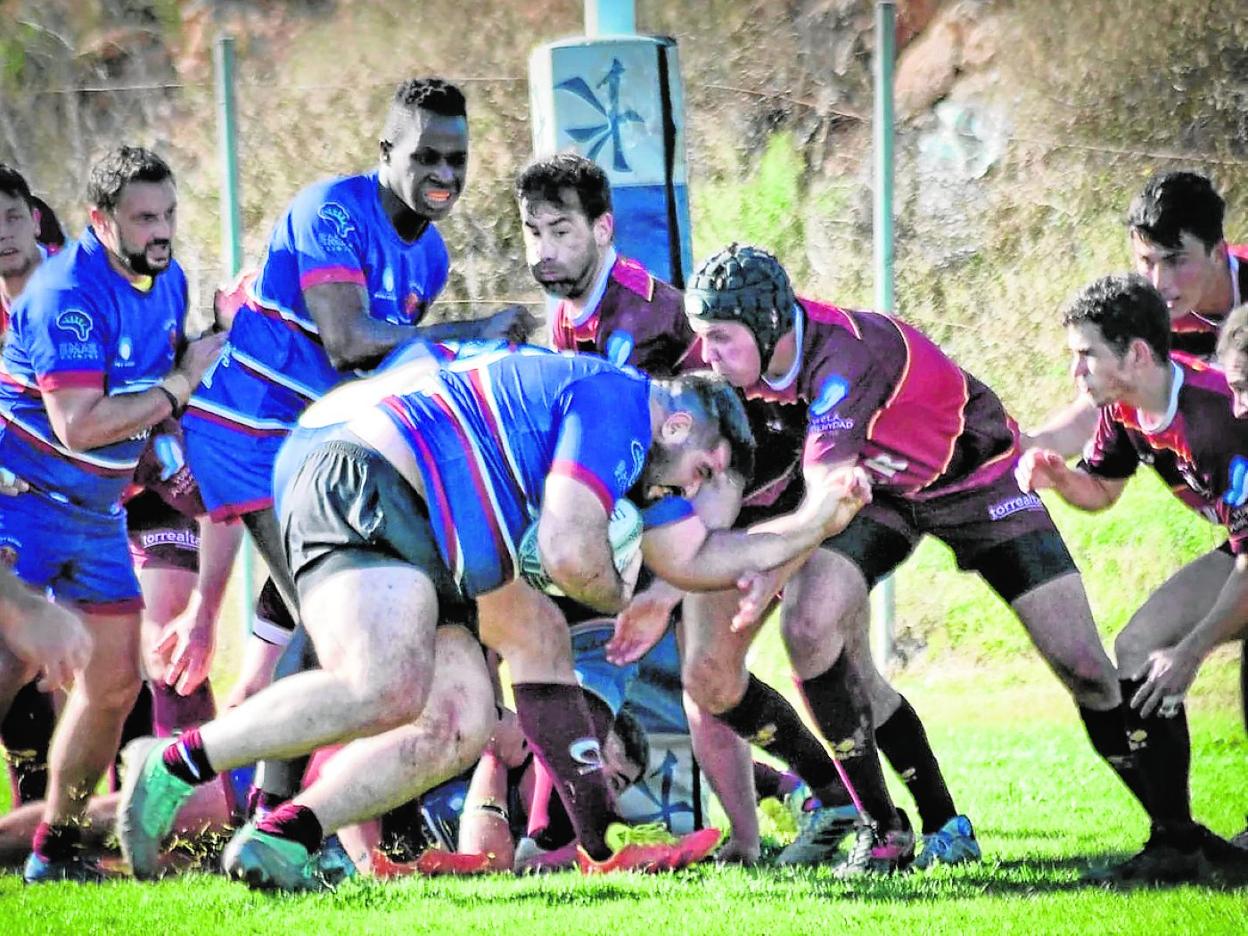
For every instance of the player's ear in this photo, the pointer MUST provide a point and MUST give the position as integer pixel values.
(604, 229)
(677, 427)
(385, 146)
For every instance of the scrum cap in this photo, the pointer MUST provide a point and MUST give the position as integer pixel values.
(745, 284)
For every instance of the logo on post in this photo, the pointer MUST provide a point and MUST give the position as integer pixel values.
(596, 136)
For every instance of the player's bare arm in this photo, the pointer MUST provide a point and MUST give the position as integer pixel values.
(86, 418)
(1170, 672)
(1045, 469)
(1066, 431)
(574, 546)
(42, 634)
(354, 339)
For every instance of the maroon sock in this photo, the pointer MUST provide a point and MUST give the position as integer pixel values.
(840, 706)
(25, 732)
(765, 717)
(902, 739)
(172, 713)
(186, 759)
(295, 822)
(56, 842)
(556, 721)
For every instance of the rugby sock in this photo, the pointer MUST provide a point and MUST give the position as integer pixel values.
(401, 835)
(902, 739)
(56, 842)
(556, 721)
(25, 733)
(1164, 753)
(1107, 730)
(295, 822)
(771, 782)
(186, 759)
(840, 706)
(549, 823)
(172, 712)
(765, 717)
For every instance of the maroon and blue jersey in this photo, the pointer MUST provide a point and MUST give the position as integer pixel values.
(79, 323)
(335, 231)
(488, 430)
(868, 388)
(633, 319)
(1198, 448)
(1196, 334)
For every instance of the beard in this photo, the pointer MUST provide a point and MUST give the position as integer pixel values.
(138, 262)
(19, 264)
(569, 287)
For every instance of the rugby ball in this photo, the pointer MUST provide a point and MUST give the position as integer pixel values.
(623, 530)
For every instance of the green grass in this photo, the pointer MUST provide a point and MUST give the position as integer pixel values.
(1016, 760)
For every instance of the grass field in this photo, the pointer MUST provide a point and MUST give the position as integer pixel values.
(1016, 760)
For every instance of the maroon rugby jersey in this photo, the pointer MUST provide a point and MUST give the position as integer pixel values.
(1200, 451)
(640, 320)
(1198, 334)
(871, 389)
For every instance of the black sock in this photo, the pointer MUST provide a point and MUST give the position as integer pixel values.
(1107, 730)
(295, 822)
(401, 835)
(902, 739)
(840, 706)
(765, 717)
(1164, 752)
(26, 732)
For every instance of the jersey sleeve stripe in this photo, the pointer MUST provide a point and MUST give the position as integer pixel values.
(59, 379)
(335, 274)
(578, 472)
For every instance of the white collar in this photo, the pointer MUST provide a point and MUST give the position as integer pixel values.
(1168, 417)
(799, 334)
(1233, 262)
(595, 295)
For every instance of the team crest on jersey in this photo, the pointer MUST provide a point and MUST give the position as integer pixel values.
(1236, 494)
(620, 348)
(75, 321)
(337, 216)
(834, 390)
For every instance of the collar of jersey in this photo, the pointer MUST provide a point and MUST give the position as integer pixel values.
(595, 294)
(799, 328)
(1168, 417)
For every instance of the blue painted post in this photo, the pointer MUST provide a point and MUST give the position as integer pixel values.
(610, 18)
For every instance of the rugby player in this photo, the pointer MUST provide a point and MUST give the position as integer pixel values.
(20, 249)
(91, 364)
(1176, 415)
(609, 305)
(415, 509)
(869, 390)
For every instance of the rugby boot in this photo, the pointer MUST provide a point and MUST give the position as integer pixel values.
(437, 862)
(40, 870)
(1241, 841)
(532, 858)
(952, 844)
(876, 852)
(269, 862)
(1170, 856)
(651, 856)
(150, 799)
(819, 841)
(333, 862)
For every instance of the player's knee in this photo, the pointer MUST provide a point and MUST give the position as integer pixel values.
(1091, 679)
(1131, 650)
(812, 636)
(714, 687)
(116, 694)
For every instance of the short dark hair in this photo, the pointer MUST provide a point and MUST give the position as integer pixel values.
(1233, 338)
(14, 184)
(119, 168)
(1174, 202)
(1124, 307)
(719, 402)
(546, 179)
(435, 95)
(633, 738)
(50, 231)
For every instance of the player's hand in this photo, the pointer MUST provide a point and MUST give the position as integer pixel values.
(186, 645)
(50, 638)
(642, 623)
(1039, 468)
(201, 354)
(1167, 675)
(833, 500)
(508, 743)
(514, 323)
(758, 594)
(11, 485)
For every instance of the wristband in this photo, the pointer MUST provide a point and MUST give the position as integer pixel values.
(175, 407)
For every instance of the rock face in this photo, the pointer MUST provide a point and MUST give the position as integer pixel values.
(953, 42)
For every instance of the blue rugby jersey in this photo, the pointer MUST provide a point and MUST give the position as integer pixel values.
(487, 430)
(79, 323)
(335, 231)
